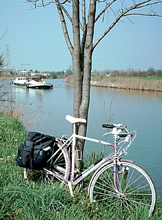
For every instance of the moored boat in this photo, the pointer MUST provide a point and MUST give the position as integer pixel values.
(20, 81)
(31, 84)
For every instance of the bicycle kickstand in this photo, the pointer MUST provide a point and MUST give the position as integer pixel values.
(70, 188)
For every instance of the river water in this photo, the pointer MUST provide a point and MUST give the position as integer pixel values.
(138, 110)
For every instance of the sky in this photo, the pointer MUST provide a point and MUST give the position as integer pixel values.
(34, 40)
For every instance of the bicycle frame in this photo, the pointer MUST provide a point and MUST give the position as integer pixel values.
(113, 157)
(115, 181)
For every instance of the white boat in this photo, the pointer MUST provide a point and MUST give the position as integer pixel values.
(33, 84)
(20, 81)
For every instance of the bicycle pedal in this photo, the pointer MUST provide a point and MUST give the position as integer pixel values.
(80, 186)
(76, 171)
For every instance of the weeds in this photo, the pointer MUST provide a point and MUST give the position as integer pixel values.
(150, 83)
(133, 83)
(35, 116)
(10, 106)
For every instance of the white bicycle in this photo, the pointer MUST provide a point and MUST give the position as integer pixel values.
(116, 182)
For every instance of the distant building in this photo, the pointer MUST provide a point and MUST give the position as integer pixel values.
(32, 73)
(46, 73)
(23, 72)
(38, 74)
(6, 72)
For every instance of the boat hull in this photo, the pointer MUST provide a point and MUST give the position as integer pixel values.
(44, 86)
(19, 84)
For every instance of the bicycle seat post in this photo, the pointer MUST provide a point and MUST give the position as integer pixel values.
(73, 150)
(74, 121)
(73, 158)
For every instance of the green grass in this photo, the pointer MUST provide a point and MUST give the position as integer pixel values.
(12, 133)
(150, 78)
(124, 77)
(42, 200)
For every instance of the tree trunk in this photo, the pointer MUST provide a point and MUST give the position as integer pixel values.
(84, 107)
(76, 59)
(86, 63)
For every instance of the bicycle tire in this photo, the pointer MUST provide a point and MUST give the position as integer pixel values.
(59, 164)
(137, 189)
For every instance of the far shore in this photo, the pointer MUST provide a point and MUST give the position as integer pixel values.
(7, 77)
(130, 83)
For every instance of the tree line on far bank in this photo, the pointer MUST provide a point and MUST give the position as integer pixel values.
(151, 72)
(59, 74)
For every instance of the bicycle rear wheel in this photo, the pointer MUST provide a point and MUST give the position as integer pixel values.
(60, 164)
(137, 191)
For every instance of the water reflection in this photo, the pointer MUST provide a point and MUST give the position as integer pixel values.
(128, 92)
(33, 92)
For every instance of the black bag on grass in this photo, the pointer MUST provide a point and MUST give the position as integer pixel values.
(35, 151)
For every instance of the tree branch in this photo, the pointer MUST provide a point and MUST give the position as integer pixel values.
(108, 30)
(125, 12)
(103, 11)
(67, 14)
(83, 14)
(4, 34)
(64, 27)
(42, 4)
(141, 14)
(65, 11)
(84, 34)
(149, 4)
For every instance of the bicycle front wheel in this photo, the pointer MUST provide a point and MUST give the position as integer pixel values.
(136, 191)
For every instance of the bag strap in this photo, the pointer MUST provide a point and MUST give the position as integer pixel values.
(30, 156)
(35, 140)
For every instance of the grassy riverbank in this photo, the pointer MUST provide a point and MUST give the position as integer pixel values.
(133, 83)
(42, 200)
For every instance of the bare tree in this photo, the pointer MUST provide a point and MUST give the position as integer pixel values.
(2, 54)
(82, 16)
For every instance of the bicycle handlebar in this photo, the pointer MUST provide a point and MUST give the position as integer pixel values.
(108, 126)
(125, 134)
(120, 130)
(116, 126)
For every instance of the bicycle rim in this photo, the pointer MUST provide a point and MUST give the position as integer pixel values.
(137, 191)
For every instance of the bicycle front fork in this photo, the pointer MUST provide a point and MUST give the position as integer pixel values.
(118, 181)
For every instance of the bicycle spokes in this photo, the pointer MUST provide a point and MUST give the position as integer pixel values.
(133, 192)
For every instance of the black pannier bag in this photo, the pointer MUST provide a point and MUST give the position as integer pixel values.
(35, 151)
